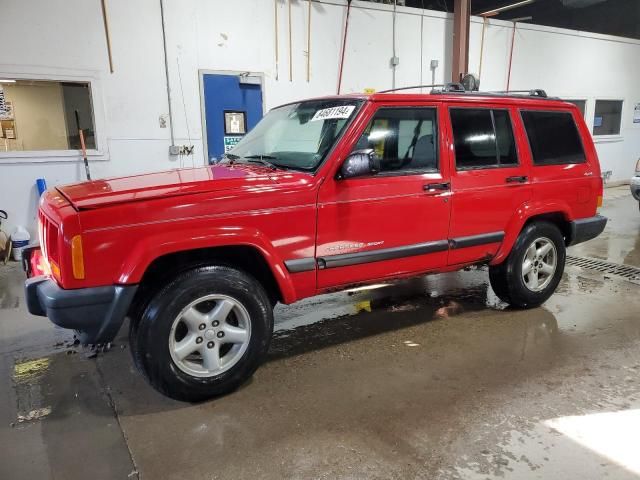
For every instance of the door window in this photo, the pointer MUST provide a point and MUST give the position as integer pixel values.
(483, 138)
(405, 139)
(553, 137)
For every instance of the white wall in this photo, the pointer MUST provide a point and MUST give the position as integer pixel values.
(50, 42)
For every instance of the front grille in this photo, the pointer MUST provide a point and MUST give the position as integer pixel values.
(627, 272)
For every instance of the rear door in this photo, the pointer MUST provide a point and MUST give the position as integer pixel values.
(489, 179)
(396, 221)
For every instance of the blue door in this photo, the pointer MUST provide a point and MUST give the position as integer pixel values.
(232, 108)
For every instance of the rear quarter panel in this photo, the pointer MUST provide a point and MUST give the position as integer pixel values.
(571, 190)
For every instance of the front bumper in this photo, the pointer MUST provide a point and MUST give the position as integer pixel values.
(635, 187)
(585, 229)
(97, 313)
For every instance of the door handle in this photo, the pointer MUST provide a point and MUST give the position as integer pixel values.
(432, 187)
(517, 179)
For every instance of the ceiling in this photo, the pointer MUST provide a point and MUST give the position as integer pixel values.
(612, 17)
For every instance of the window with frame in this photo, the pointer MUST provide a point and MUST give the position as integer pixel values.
(483, 138)
(37, 115)
(553, 137)
(607, 117)
(405, 139)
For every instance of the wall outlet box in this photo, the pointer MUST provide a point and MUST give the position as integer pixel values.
(174, 150)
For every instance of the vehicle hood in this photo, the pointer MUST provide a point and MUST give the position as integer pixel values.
(101, 193)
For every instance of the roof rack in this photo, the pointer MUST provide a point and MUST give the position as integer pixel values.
(440, 88)
(446, 87)
(537, 92)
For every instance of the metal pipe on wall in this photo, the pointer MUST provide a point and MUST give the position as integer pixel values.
(461, 19)
(166, 72)
(309, 41)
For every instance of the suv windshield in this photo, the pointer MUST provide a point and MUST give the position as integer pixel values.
(298, 135)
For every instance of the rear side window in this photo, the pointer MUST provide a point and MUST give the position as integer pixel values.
(553, 137)
(483, 138)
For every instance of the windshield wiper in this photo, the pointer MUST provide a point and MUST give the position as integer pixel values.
(230, 157)
(262, 159)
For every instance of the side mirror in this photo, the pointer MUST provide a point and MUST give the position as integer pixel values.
(360, 163)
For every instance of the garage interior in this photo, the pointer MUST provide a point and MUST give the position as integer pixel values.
(428, 377)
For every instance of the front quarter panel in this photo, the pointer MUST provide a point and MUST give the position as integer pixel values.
(121, 241)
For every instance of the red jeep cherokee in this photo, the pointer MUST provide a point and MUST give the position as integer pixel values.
(321, 195)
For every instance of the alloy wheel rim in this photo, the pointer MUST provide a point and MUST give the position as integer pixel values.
(539, 264)
(210, 335)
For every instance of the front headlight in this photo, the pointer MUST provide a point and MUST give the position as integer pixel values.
(638, 167)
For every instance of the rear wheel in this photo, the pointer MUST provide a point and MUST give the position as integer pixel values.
(533, 269)
(203, 334)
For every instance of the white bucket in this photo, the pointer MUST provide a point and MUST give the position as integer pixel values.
(19, 239)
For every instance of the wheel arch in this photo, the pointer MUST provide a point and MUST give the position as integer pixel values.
(557, 214)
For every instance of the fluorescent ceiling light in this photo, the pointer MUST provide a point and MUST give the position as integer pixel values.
(495, 11)
(7, 81)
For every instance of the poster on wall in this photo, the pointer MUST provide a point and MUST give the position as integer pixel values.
(6, 107)
(636, 113)
(2, 103)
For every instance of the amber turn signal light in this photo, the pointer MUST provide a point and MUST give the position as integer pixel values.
(77, 258)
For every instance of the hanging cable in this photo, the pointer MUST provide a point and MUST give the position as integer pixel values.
(309, 41)
(166, 73)
(484, 27)
(184, 106)
(290, 47)
(513, 39)
(393, 47)
(344, 45)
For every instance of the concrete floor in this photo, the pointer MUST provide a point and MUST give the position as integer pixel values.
(428, 378)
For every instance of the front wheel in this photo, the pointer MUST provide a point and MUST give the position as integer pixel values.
(533, 269)
(203, 334)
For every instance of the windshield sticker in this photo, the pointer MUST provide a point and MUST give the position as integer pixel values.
(343, 111)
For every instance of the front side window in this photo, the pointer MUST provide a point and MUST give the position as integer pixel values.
(483, 138)
(38, 115)
(405, 139)
(607, 117)
(298, 135)
(553, 137)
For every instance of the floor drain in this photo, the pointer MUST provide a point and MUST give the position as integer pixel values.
(627, 272)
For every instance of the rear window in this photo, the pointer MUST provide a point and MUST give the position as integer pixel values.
(553, 137)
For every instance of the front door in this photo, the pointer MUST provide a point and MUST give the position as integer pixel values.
(394, 222)
(489, 181)
(232, 107)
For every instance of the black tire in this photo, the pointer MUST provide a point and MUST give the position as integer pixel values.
(149, 337)
(506, 278)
